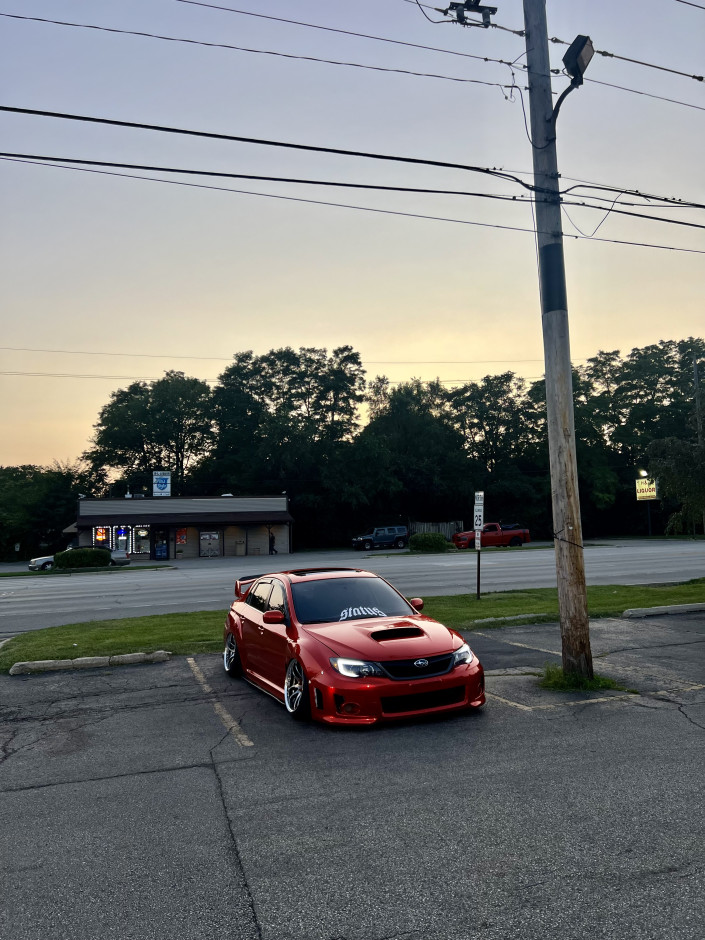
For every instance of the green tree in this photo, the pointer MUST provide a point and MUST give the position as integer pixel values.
(161, 425)
(38, 503)
(679, 468)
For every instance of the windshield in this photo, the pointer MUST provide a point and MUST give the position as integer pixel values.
(343, 599)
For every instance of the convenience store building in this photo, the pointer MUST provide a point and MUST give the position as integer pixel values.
(182, 527)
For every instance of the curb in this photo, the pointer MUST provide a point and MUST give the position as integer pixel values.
(638, 612)
(89, 662)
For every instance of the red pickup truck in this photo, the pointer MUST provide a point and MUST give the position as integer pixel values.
(493, 533)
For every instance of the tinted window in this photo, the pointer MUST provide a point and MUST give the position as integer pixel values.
(341, 599)
(259, 594)
(277, 599)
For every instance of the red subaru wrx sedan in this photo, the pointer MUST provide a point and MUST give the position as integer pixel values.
(342, 646)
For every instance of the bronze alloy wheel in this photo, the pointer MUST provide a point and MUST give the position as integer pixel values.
(296, 696)
(231, 657)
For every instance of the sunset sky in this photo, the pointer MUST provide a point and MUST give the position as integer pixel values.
(108, 278)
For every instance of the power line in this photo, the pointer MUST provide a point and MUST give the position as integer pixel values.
(341, 205)
(649, 65)
(21, 157)
(178, 356)
(164, 129)
(634, 91)
(156, 378)
(645, 94)
(344, 32)
(688, 3)
(75, 375)
(269, 52)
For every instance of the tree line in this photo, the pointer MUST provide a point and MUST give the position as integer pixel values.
(350, 452)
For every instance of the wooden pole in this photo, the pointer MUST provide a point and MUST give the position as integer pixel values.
(570, 567)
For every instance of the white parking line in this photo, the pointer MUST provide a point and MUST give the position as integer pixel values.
(525, 646)
(535, 708)
(232, 726)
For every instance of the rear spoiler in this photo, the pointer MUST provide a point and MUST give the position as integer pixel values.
(243, 585)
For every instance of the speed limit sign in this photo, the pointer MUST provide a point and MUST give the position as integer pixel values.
(479, 510)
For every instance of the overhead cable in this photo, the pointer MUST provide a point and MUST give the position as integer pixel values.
(53, 160)
(339, 205)
(269, 52)
(165, 129)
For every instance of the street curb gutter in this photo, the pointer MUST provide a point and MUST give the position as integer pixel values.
(638, 612)
(89, 662)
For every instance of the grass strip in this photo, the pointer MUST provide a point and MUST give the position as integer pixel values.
(555, 680)
(540, 605)
(202, 631)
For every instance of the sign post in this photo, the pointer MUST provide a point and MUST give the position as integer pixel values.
(478, 520)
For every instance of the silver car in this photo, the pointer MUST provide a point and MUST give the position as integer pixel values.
(45, 562)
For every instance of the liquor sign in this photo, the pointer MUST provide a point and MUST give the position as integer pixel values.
(646, 488)
(161, 483)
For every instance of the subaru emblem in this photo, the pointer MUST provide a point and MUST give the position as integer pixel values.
(421, 663)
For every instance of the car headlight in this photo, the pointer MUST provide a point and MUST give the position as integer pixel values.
(355, 668)
(462, 655)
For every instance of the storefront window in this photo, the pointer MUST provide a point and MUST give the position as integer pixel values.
(101, 537)
(121, 538)
(140, 544)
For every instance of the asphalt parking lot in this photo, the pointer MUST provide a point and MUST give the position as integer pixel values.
(168, 801)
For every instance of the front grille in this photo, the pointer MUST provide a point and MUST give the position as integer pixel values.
(422, 701)
(405, 668)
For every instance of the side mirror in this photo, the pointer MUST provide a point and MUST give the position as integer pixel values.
(273, 616)
(416, 603)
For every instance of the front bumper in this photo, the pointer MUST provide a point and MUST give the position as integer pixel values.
(339, 701)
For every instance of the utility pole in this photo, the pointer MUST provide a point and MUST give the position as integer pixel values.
(568, 541)
(698, 412)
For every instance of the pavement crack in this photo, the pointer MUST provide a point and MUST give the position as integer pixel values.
(5, 752)
(70, 782)
(239, 865)
(682, 710)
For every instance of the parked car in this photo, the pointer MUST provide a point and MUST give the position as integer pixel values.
(493, 533)
(391, 536)
(342, 646)
(45, 562)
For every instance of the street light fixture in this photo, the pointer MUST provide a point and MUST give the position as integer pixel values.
(576, 60)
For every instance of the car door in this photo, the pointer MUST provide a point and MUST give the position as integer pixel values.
(491, 534)
(273, 640)
(250, 615)
(380, 538)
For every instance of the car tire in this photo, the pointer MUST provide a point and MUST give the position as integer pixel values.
(231, 657)
(515, 541)
(367, 546)
(47, 566)
(296, 696)
(400, 543)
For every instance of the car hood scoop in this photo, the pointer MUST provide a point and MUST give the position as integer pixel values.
(397, 638)
(399, 632)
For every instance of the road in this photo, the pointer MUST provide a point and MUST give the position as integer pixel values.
(130, 809)
(207, 584)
